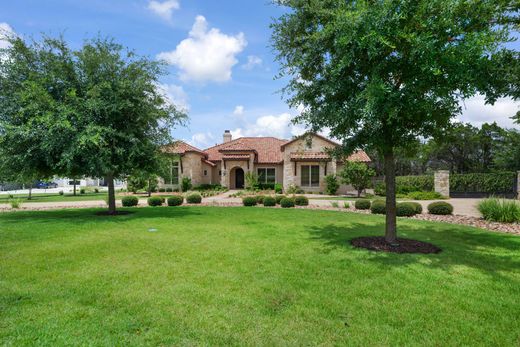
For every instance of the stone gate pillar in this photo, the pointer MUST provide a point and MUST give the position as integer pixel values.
(518, 185)
(442, 182)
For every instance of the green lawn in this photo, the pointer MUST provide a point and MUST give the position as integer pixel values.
(51, 197)
(250, 276)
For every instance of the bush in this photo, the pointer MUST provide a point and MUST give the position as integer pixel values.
(155, 201)
(278, 189)
(269, 201)
(418, 207)
(346, 205)
(15, 203)
(424, 195)
(175, 200)
(491, 183)
(129, 201)
(194, 198)
(279, 198)
(260, 199)
(379, 189)
(82, 191)
(287, 202)
(378, 207)
(407, 184)
(185, 184)
(96, 190)
(362, 204)
(301, 200)
(292, 189)
(440, 207)
(61, 192)
(162, 190)
(332, 184)
(500, 210)
(405, 209)
(334, 204)
(249, 201)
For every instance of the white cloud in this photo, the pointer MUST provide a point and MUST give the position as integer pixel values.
(5, 30)
(164, 9)
(202, 140)
(207, 54)
(175, 94)
(252, 61)
(272, 125)
(476, 112)
(239, 110)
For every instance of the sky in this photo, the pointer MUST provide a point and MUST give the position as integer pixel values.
(221, 66)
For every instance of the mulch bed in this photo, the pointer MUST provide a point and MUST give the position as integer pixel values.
(378, 243)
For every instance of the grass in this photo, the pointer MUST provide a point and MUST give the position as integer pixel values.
(55, 197)
(263, 277)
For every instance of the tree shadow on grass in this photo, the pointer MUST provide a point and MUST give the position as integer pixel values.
(461, 246)
(91, 215)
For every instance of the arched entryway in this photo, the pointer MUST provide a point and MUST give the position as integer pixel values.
(237, 178)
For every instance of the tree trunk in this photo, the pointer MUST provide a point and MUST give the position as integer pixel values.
(149, 188)
(30, 192)
(391, 225)
(111, 194)
(359, 193)
(74, 183)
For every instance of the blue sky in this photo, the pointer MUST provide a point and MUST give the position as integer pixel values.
(222, 68)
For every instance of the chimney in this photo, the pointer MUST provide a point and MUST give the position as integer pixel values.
(227, 136)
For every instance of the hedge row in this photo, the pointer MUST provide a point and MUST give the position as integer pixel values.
(492, 183)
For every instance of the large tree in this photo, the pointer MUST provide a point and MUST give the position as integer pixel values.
(382, 73)
(96, 111)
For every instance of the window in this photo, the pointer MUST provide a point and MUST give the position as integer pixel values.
(266, 175)
(310, 175)
(174, 178)
(205, 172)
(220, 172)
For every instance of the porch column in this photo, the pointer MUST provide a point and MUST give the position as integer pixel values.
(442, 182)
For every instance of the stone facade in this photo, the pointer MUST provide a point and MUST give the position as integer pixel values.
(442, 182)
(518, 185)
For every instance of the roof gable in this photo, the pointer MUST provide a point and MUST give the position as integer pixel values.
(267, 149)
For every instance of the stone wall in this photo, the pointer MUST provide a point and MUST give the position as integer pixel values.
(442, 182)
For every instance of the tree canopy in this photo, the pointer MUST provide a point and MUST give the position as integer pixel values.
(96, 111)
(381, 73)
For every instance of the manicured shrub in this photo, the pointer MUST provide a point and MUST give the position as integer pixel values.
(500, 210)
(249, 201)
(278, 189)
(346, 205)
(194, 198)
(175, 200)
(287, 202)
(301, 200)
(82, 191)
(362, 204)
(61, 192)
(162, 190)
(440, 207)
(269, 201)
(96, 190)
(129, 201)
(186, 184)
(405, 209)
(424, 195)
(417, 206)
(332, 184)
(279, 198)
(155, 201)
(260, 199)
(378, 207)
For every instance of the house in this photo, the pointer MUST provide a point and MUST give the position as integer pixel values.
(303, 162)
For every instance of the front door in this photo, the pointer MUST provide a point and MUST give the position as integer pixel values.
(239, 178)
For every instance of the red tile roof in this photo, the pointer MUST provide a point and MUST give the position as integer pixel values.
(267, 149)
(311, 156)
(236, 156)
(181, 147)
(359, 156)
(208, 162)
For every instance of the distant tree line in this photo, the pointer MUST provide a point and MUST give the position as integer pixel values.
(463, 148)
